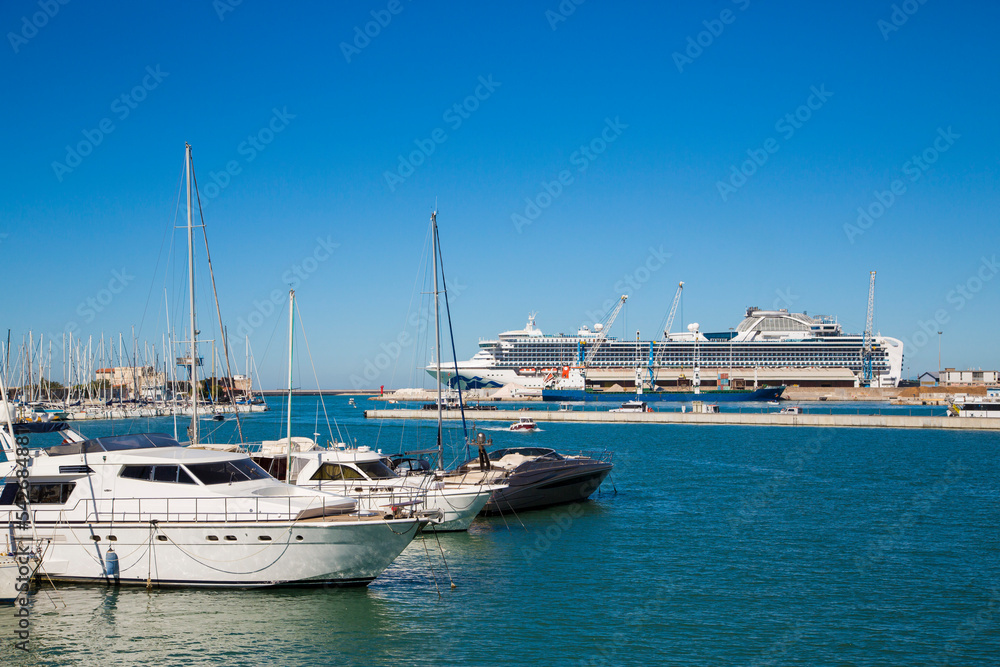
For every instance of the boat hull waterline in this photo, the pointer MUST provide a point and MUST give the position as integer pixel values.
(301, 553)
(539, 489)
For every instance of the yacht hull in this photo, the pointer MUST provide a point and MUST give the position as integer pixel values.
(459, 508)
(547, 486)
(240, 555)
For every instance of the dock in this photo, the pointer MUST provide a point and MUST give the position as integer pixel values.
(726, 418)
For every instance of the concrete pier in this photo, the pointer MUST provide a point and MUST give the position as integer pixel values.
(732, 418)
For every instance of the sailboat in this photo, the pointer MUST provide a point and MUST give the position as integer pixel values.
(530, 477)
(362, 474)
(141, 509)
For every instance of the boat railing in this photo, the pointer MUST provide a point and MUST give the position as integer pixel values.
(192, 509)
(379, 499)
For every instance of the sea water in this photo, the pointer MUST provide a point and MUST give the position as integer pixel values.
(708, 545)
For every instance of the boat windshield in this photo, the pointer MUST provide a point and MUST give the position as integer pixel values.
(540, 452)
(376, 470)
(114, 443)
(227, 472)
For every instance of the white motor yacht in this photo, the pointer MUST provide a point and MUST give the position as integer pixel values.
(362, 474)
(141, 509)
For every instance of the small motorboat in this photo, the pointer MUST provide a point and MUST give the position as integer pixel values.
(351, 403)
(633, 406)
(773, 403)
(523, 424)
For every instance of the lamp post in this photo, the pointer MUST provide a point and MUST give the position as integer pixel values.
(939, 358)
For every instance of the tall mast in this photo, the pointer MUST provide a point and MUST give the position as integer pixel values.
(291, 310)
(437, 336)
(194, 332)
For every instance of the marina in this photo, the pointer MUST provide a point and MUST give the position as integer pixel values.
(780, 539)
(565, 334)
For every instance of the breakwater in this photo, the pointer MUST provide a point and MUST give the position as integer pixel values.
(731, 418)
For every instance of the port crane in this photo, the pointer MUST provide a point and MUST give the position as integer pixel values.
(867, 353)
(602, 332)
(666, 336)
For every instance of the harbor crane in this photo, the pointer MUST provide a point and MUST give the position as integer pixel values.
(602, 331)
(866, 353)
(666, 335)
(673, 310)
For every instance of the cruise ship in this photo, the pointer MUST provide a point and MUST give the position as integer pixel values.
(768, 348)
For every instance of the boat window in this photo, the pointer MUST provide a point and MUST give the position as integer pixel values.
(411, 465)
(334, 471)
(541, 452)
(115, 443)
(165, 474)
(227, 472)
(50, 493)
(376, 470)
(10, 491)
(137, 472)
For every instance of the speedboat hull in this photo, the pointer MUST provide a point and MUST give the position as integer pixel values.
(544, 484)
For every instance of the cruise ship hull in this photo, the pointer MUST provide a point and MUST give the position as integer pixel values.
(723, 396)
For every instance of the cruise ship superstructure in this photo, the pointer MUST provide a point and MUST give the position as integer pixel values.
(768, 348)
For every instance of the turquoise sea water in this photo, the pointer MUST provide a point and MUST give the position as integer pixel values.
(722, 546)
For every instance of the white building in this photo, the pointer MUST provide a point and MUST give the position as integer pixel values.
(950, 376)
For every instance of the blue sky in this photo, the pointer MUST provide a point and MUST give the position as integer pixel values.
(586, 148)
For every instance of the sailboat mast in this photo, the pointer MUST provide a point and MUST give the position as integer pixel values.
(291, 311)
(437, 336)
(194, 332)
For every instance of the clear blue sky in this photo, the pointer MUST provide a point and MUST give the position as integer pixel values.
(330, 121)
